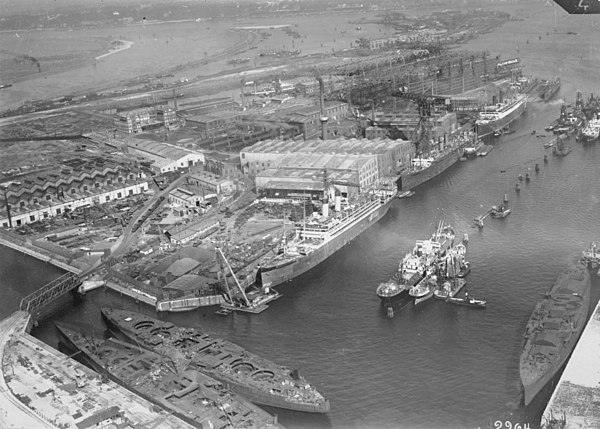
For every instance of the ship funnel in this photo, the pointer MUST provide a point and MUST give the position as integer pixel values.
(325, 208)
(338, 202)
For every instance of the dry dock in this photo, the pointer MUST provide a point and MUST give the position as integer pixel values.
(575, 399)
(42, 388)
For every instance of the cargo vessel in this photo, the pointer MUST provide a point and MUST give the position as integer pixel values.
(591, 131)
(177, 387)
(553, 329)
(257, 379)
(547, 88)
(318, 238)
(498, 116)
(424, 168)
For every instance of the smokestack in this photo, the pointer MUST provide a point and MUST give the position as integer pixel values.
(174, 100)
(325, 206)
(323, 118)
(338, 202)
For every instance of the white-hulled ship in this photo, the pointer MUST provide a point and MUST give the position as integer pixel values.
(498, 116)
(319, 237)
(591, 131)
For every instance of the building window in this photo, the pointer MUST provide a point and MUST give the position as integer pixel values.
(109, 182)
(5, 225)
(32, 218)
(97, 185)
(45, 215)
(22, 204)
(35, 201)
(108, 198)
(18, 222)
(72, 190)
(120, 180)
(58, 211)
(48, 197)
(119, 195)
(131, 192)
(85, 188)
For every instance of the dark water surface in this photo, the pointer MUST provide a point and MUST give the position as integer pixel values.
(431, 366)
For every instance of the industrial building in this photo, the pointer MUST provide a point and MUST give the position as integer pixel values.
(210, 183)
(390, 155)
(183, 200)
(76, 183)
(163, 156)
(214, 123)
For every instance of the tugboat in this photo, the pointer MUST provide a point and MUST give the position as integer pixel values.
(553, 329)
(173, 385)
(499, 212)
(561, 148)
(415, 265)
(260, 380)
(467, 301)
(424, 290)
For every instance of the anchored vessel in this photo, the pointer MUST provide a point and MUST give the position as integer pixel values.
(417, 264)
(317, 239)
(190, 395)
(554, 328)
(258, 379)
(592, 130)
(496, 117)
(549, 88)
(424, 168)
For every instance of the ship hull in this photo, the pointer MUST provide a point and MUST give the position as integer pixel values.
(412, 180)
(280, 274)
(487, 128)
(257, 396)
(569, 284)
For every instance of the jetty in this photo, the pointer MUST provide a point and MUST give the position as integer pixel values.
(479, 219)
(42, 388)
(573, 403)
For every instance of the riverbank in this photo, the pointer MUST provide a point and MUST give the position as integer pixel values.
(573, 400)
(42, 388)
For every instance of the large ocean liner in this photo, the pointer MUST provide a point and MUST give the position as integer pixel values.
(190, 395)
(553, 329)
(317, 238)
(494, 118)
(260, 380)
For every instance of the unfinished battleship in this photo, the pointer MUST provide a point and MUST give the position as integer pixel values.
(258, 379)
(554, 328)
(176, 386)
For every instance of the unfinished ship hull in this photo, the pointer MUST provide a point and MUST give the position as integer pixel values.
(196, 399)
(259, 380)
(276, 274)
(410, 180)
(553, 329)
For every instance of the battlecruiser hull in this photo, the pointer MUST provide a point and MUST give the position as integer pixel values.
(281, 271)
(553, 329)
(188, 394)
(259, 380)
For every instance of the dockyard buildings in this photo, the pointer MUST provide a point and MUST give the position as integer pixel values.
(137, 120)
(164, 157)
(215, 123)
(210, 183)
(75, 183)
(184, 199)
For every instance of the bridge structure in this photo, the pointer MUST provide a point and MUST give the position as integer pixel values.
(50, 292)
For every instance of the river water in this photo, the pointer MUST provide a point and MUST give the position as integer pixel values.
(434, 365)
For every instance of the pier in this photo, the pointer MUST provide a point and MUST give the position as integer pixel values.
(42, 388)
(574, 401)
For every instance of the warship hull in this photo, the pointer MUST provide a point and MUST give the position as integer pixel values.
(278, 274)
(554, 329)
(211, 355)
(410, 180)
(485, 128)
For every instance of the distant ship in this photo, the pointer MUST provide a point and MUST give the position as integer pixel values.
(260, 380)
(496, 117)
(554, 328)
(427, 166)
(317, 238)
(549, 88)
(591, 131)
(178, 388)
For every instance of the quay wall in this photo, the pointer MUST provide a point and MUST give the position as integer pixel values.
(574, 400)
(38, 255)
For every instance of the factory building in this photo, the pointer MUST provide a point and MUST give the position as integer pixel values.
(391, 155)
(164, 157)
(76, 183)
(183, 199)
(211, 183)
(214, 123)
(307, 119)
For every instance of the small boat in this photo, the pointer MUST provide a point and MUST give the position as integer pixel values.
(499, 212)
(464, 270)
(449, 289)
(467, 302)
(424, 290)
(406, 194)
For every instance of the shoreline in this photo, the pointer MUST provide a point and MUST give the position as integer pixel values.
(40, 256)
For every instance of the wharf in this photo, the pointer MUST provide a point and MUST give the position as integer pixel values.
(575, 399)
(39, 255)
(42, 388)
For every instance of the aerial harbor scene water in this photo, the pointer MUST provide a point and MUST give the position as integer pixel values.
(300, 214)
